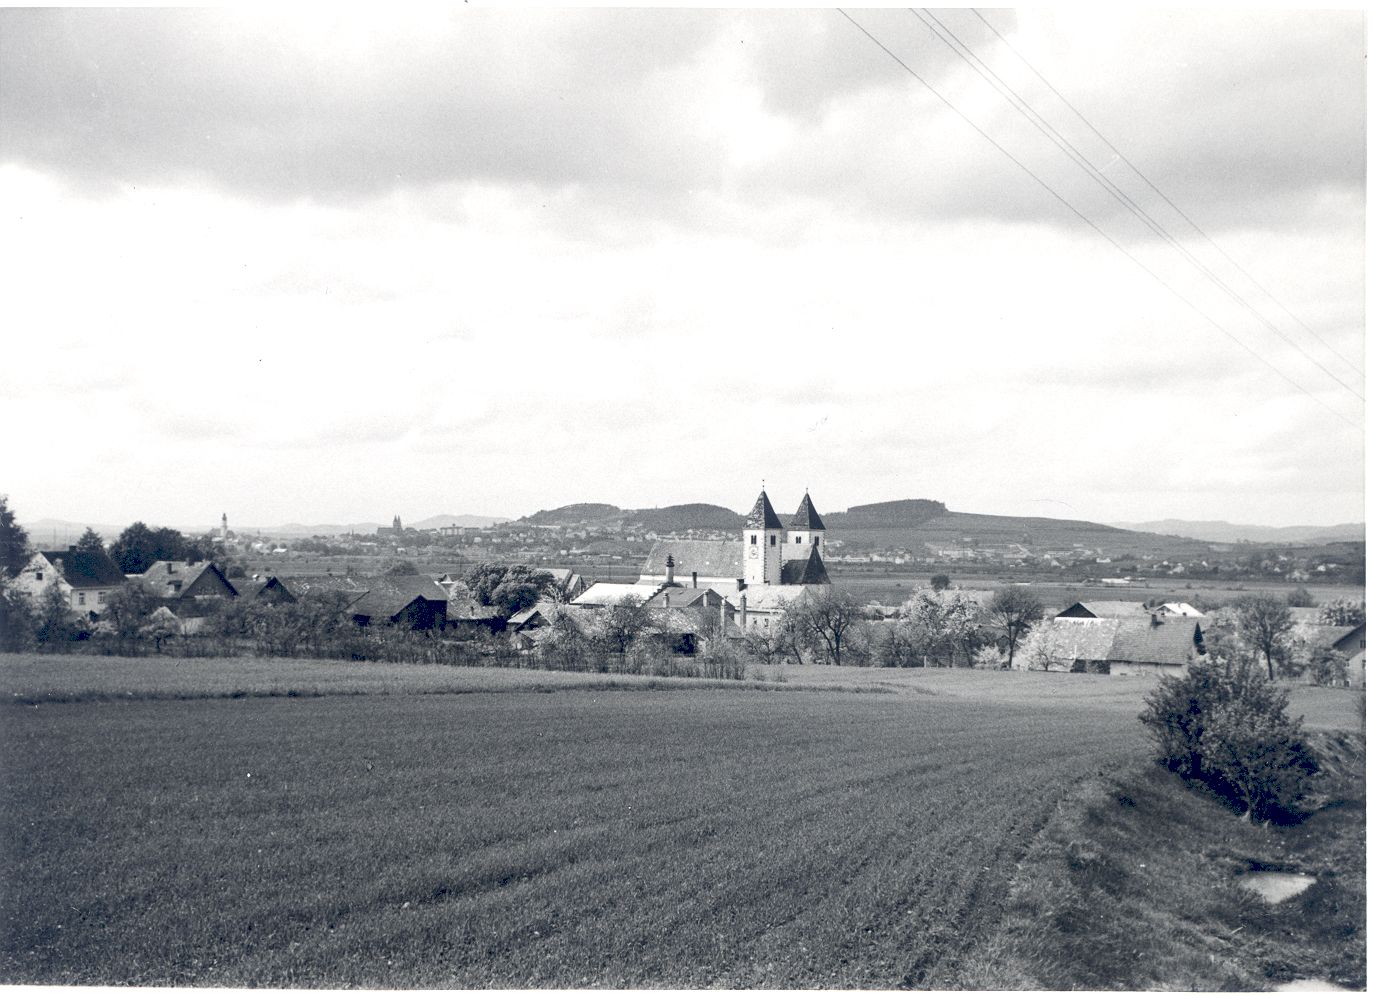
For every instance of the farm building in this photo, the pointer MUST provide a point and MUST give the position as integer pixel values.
(1126, 646)
(84, 577)
(1104, 609)
(185, 584)
(266, 590)
(415, 602)
(471, 618)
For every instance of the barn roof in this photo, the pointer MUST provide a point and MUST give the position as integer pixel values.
(82, 569)
(1168, 643)
(717, 559)
(1105, 608)
(389, 595)
(762, 515)
(170, 578)
(806, 518)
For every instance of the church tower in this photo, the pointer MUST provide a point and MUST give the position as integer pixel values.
(763, 539)
(805, 530)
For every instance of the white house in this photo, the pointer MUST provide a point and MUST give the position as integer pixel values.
(86, 578)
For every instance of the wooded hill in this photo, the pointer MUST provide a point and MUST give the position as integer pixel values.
(911, 523)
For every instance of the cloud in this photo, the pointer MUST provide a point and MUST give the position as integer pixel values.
(644, 111)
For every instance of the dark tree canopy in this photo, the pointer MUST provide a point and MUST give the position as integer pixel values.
(939, 582)
(90, 542)
(14, 540)
(509, 588)
(1014, 610)
(139, 546)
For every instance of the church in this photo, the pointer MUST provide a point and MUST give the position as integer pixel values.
(769, 565)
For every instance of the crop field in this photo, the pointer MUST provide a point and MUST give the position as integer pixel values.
(779, 835)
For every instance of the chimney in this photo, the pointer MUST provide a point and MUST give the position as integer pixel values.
(743, 611)
(693, 580)
(723, 616)
(670, 565)
(667, 597)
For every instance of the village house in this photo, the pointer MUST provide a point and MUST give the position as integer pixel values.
(85, 578)
(415, 602)
(183, 585)
(1126, 645)
(263, 589)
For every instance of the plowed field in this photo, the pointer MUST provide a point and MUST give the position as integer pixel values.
(685, 837)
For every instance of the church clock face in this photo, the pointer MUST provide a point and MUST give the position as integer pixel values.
(753, 551)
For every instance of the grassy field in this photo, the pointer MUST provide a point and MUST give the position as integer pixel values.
(847, 828)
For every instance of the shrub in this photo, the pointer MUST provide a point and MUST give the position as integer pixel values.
(1225, 725)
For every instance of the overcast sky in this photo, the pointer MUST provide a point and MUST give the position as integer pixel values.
(330, 267)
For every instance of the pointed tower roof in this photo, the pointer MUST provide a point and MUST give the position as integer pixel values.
(762, 515)
(806, 518)
(815, 567)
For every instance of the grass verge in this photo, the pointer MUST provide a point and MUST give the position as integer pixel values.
(1132, 884)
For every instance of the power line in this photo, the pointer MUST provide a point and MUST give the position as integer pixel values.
(957, 46)
(1171, 204)
(1101, 232)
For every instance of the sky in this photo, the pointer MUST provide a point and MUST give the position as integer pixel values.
(326, 266)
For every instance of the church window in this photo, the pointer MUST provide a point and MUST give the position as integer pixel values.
(798, 539)
(772, 540)
(752, 539)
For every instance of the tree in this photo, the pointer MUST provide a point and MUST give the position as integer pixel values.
(622, 624)
(16, 617)
(1223, 724)
(128, 607)
(1346, 613)
(90, 542)
(1300, 597)
(940, 621)
(139, 546)
(939, 582)
(1329, 668)
(14, 540)
(829, 616)
(402, 569)
(1043, 648)
(1013, 611)
(509, 588)
(1264, 622)
(54, 619)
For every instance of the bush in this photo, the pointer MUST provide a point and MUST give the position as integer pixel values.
(1225, 725)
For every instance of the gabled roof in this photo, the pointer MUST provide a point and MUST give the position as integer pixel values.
(762, 516)
(805, 571)
(81, 569)
(169, 578)
(806, 518)
(389, 595)
(1171, 642)
(711, 559)
(1105, 608)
